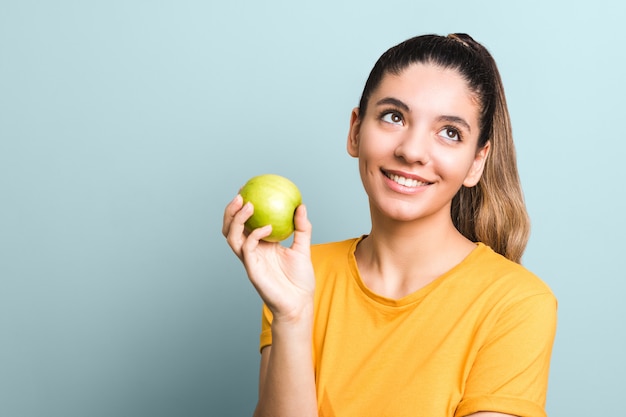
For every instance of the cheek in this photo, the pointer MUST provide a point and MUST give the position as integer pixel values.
(453, 165)
(376, 145)
(373, 152)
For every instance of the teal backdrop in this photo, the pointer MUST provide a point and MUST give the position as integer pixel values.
(127, 126)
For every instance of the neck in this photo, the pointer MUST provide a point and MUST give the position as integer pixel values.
(398, 258)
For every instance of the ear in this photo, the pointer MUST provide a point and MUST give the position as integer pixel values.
(478, 166)
(353, 133)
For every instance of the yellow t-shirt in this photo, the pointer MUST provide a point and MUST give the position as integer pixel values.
(478, 338)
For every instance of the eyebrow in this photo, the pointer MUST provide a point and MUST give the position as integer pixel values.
(402, 105)
(456, 120)
(394, 102)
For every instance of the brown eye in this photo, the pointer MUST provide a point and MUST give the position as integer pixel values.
(450, 133)
(392, 117)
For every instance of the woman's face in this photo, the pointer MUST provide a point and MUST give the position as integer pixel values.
(417, 143)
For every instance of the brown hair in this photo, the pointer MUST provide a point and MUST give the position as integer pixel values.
(493, 211)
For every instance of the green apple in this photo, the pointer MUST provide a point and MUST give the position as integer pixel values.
(275, 199)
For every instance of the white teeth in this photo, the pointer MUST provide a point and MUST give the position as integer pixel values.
(407, 182)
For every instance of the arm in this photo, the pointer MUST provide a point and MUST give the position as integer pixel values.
(284, 279)
(286, 379)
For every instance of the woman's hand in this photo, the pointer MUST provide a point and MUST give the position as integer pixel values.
(282, 276)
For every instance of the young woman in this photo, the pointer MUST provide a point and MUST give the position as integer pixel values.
(430, 313)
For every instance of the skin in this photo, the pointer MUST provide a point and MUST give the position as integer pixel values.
(285, 281)
(421, 124)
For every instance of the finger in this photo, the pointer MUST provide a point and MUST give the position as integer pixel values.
(229, 213)
(253, 240)
(235, 235)
(261, 233)
(302, 235)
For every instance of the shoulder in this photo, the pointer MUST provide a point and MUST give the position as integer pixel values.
(334, 250)
(488, 279)
(334, 261)
(498, 270)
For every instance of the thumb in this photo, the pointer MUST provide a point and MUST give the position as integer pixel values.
(302, 234)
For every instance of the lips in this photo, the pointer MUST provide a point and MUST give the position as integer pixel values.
(405, 181)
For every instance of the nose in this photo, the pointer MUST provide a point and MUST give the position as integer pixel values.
(414, 146)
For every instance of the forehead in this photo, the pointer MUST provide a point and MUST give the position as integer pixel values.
(429, 88)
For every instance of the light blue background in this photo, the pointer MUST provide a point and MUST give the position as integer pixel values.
(126, 126)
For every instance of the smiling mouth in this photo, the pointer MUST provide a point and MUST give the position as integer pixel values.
(406, 182)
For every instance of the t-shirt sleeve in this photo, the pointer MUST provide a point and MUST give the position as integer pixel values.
(266, 328)
(510, 372)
